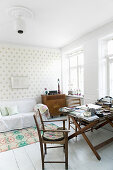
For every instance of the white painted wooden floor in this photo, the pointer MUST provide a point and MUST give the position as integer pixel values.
(80, 155)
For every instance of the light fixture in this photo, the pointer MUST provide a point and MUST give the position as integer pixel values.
(20, 14)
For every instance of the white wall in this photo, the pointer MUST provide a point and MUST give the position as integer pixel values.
(90, 44)
(41, 65)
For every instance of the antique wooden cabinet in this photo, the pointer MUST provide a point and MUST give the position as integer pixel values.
(54, 102)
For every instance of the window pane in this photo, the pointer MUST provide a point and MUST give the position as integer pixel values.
(111, 79)
(73, 78)
(110, 47)
(80, 59)
(81, 79)
(77, 72)
(73, 61)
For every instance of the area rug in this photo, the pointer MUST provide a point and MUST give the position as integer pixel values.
(19, 138)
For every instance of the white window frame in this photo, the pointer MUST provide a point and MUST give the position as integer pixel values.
(104, 68)
(109, 60)
(75, 53)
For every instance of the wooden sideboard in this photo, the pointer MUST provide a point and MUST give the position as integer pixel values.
(54, 102)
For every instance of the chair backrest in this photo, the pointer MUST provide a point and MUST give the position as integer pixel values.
(39, 124)
(44, 110)
(73, 102)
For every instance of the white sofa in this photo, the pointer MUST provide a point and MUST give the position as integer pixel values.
(21, 120)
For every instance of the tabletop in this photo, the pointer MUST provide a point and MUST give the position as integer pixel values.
(78, 113)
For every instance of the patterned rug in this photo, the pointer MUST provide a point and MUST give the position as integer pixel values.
(19, 138)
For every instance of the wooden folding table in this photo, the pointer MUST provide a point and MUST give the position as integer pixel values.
(91, 125)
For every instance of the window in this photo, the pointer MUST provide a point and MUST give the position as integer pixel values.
(109, 59)
(106, 76)
(76, 70)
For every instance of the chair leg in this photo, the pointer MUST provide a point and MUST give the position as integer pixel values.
(64, 148)
(76, 131)
(63, 125)
(45, 148)
(68, 122)
(66, 152)
(42, 156)
(91, 129)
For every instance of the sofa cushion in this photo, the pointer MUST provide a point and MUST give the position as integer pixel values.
(4, 111)
(0, 113)
(12, 110)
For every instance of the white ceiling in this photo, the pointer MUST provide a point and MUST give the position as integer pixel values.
(56, 22)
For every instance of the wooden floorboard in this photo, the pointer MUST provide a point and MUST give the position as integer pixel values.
(7, 161)
(33, 151)
(80, 155)
(23, 161)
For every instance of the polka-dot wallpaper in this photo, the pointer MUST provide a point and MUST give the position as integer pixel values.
(42, 66)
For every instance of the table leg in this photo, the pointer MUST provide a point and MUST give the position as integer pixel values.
(91, 146)
(88, 141)
(82, 130)
(110, 121)
(105, 122)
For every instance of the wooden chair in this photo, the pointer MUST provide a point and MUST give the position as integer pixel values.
(58, 136)
(72, 102)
